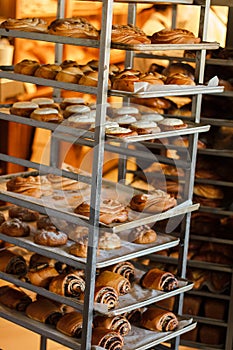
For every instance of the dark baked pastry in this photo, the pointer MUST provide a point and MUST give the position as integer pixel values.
(45, 311)
(115, 280)
(157, 319)
(180, 79)
(69, 75)
(159, 279)
(107, 339)
(14, 298)
(77, 27)
(70, 284)
(41, 276)
(174, 36)
(71, 324)
(23, 214)
(51, 238)
(125, 269)
(23, 109)
(26, 66)
(15, 228)
(106, 295)
(128, 34)
(118, 323)
(47, 71)
(12, 263)
(155, 202)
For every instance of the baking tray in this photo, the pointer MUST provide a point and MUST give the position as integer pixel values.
(165, 47)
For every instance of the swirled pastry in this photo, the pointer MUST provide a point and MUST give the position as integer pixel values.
(142, 235)
(25, 24)
(45, 311)
(12, 263)
(23, 214)
(118, 323)
(115, 280)
(125, 269)
(75, 27)
(71, 324)
(14, 298)
(154, 202)
(107, 339)
(106, 295)
(159, 279)
(50, 237)
(128, 34)
(35, 186)
(110, 211)
(15, 228)
(174, 36)
(157, 319)
(69, 284)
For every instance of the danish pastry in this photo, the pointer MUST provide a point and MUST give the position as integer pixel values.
(71, 324)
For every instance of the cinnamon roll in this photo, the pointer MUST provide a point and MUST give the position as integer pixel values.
(106, 295)
(69, 284)
(118, 323)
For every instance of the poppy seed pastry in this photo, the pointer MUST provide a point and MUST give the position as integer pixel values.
(157, 319)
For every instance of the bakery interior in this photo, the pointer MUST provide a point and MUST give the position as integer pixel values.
(208, 261)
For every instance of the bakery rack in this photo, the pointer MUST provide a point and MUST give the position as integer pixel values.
(96, 183)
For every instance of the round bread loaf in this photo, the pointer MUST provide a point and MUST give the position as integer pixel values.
(23, 109)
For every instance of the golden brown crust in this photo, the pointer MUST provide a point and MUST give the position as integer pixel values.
(23, 109)
(152, 203)
(125, 82)
(107, 339)
(159, 279)
(12, 263)
(69, 75)
(44, 310)
(124, 268)
(142, 235)
(71, 324)
(15, 228)
(79, 248)
(174, 36)
(47, 71)
(50, 238)
(115, 280)
(35, 186)
(153, 78)
(180, 79)
(128, 34)
(119, 324)
(208, 191)
(67, 285)
(157, 319)
(77, 27)
(14, 298)
(106, 295)
(23, 214)
(47, 115)
(41, 277)
(26, 66)
(25, 24)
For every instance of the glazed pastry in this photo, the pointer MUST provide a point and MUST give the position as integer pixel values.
(159, 280)
(154, 202)
(23, 214)
(14, 298)
(50, 238)
(69, 75)
(110, 211)
(118, 131)
(35, 186)
(12, 263)
(25, 24)
(115, 280)
(23, 109)
(180, 79)
(65, 183)
(15, 228)
(26, 67)
(47, 71)
(144, 127)
(41, 277)
(125, 111)
(142, 235)
(109, 240)
(128, 34)
(76, 109)
(125, 269)
(119, 324)
(76, 27)
(71, 324)
(107, 339)
(79, 121)
(174, 36)
(70, 285)
(45, 102)
(168, 124)
(45, 311)
(2, 218)
(125, 120)
(70, 101)
(157, 319)
(47, 114)
(152, 117)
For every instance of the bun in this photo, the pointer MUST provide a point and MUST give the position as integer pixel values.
(76, 27)
(158, 279)
(119, 324)
(15, 228)
(174, 36)
(125, 82)
(128, 34)
(47, 71)
(125, 120)
(14, 298)
(168, 124)
(44, 102)
(12, 263)
(23, 109)
(71, 324)
(69, 75)
(50, 238)
(80, 247)
(107, 339)
(79, 121)
(157, 319)
(47, 115)
(76, 109)
(153, 78)
(91, 79)
(27, 67)
(180, 79)
(69, 284)
(115, 280)
(152, 203)
(118, 131)
(35, 186)
(23, 214)
(25, 24)
(142, 235)
(144, 127)
(70, 101)
(109, 240)
(45, 311)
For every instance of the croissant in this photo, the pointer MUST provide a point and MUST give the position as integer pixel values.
(45, 311)
(112, 279)
(155, 202)
(158, 279)
(107, 339)
(118, 323)
(157, 319)
(67, 284)
(12, 263)
(41, 277)
(125, 269)
(71, 324)
(14, 298)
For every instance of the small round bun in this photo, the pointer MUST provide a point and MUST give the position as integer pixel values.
(69, 101)
(47, 71)
(44, 102)
(15, 228)
(69, 75)
(171, 124)
(50, 238)
(23, 109)
(27, 67)
(143, 127)
(47, 115)
(76, 109)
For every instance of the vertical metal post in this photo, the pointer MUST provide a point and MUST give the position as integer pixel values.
(43, 342)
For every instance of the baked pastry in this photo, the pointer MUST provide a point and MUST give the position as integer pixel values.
(152, 117)
(70, 101)
(208, 195)
(91, 79)
(107, 339)
(35, 186)
(26, 67)
(45, 222)
(125, 120)
(71, 324)
(15, 228)
(125, 269)
(14, 298)
(128, 34)
(174, 36)
(168, 124)
(45, 102)
(76, 109)
(38, 261)
(118, 323)
(76, 27)
(159, 279)
(124, 111)
(65, 183)
(125, 82)
(41, 276)
(109, 240)
(71, 285)
(2, 218)
(118, 131)
(47, 71)
(69, 75)
(25, 24)
(80, 247)
(115, 280)
(154, 202)
(153, 78)
(23, 109)
(110, 211)
(79, 121)
(157, 319)
(106, 295)
(23, 214)
(142, 235)
(45, 311)
(144, 127)
(156, 104)
(50, 238)
(47, 115)
(180, 79)
(12, 263)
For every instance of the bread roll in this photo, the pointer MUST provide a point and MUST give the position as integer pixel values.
(128, 34)
(156, 202)
(142, 235)
(35, 186)
(44, 114)
(47, 71)
(174, 36)
(180, 79)
(23, 214)
(25, 24)
(26, 66)
(50, 238)
(15, 228)
(69, 75)
(23, 109)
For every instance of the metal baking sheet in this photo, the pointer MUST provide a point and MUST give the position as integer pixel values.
(165, 47)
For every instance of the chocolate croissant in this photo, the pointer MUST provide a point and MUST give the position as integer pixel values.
(14, 298)
(112, 279)
(159, 279)
(125, 269)
(155, 202)
(118, 323)
(157, 319)
(45, 311)
(71, 324)
(70, 285)
(107, 339)
(12, 263)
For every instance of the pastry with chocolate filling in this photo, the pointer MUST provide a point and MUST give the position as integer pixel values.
(142, 235)
(118, 323)
(71, 324)
(115, 280)
(23, 214)
(159, 280)
(12, 263)
(45, 311)
(125, 269)
(14, 298)
(71, 285)
(157, 319)
(15, 228)
(41, 275)
(107, 339)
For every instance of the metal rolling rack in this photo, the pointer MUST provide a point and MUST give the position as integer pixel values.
(96, 139)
